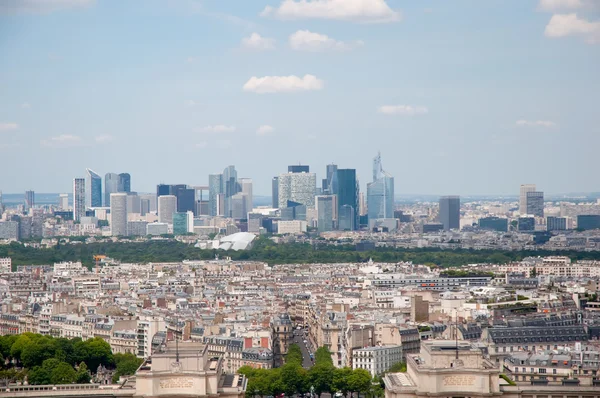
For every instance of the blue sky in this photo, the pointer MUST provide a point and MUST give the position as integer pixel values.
(460, 97)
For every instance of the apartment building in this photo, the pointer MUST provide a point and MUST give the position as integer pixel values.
(376, 360)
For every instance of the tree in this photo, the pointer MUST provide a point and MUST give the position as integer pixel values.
(359, 381)
(340, 379)
(293, 378)
(39, 349)
(127, 364)
(320, 377)
(62, 373)
(398, 367)
(294, 355)
(21, 342)
(83, 374)
(323, 356)
(38, 376)
(93, 352)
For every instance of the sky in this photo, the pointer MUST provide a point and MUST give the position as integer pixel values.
(460, 97)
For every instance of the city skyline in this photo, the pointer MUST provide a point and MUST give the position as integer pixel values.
(452, 88)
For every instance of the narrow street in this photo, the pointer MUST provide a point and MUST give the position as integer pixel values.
(299, 339)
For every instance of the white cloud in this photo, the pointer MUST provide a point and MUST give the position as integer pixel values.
(406, 110)
(191, 103)
(40, 6)
(535, 123)
(8, 126)
(562, 25)
(283, 84)
(25, 105)
(258, 43)
(202, 145)
(101, 139)
(265, 129)
(216, 129)
(62, 141)
(304, 40)
(555, 5)
(365, 11)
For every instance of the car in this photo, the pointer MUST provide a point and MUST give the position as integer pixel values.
(338, 395)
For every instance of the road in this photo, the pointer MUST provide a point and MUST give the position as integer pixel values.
(299, 340)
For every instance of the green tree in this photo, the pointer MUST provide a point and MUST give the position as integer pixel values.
(39, 349)
(340, 379)
(360, 381)
(320, 377)
(62, 373)
(398, 367)
(83, 374)
(293, 378)
(21, 342)
(38, 376)
(323, 356)
(127, 364)
(93, 352)
(294, 355)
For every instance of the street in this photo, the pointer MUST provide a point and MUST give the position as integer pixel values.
(299, 338)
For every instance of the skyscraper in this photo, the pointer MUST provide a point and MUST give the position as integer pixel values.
(275, 192)
(63, 201)
(163, 189)
(180, 223)
(29, 199)
(450, 212)
(380, 193)
(186, 198)
(167, 205)
(535, 203)
(330, 182)
(78, 199)
(215, 187)
(124, 182)
(111, 185)
(299, 168)
(523, 197)
(347, 195)
(297, 187)
(246, 189)
(230, 187)
(325, 213)
(118, 214)
(93, 189)
(239, 209)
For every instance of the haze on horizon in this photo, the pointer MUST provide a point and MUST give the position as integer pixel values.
(459, 97)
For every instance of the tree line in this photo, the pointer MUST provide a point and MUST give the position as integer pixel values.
(48, 360)
(266, 250)
(323, 377)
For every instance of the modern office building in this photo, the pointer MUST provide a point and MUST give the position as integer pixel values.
(157, 228)
(275, 192)
(180, 223)
(298, 188)
(299, 168)
(152, 201)
(494, 224)
(230, 187)
(450, 212)
(9, 230)
(144, 206)
(215, 187)
(325, 213)
(163, 189)
(239, 209)
(124, 184)
(78, 199)
(111, 185)
(93, 189)
(535, 203)
(246, 189)
(29, 200)
(526, 224)
(137, 228)
(118, 214)
(133, 203)
(63, 201)
(329, 184)
(347, 195)
(186, 198)
(556, 223)
(380, 193)
(523, 197)
(588, 221)
(167, 205)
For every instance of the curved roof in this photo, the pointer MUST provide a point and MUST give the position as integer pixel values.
(237, 241)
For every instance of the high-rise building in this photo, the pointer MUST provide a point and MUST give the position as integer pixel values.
(78, 199)
(450, 212)
(523, 197)
(230, 187)
(124, 182)
(246, 189)
(163, 189)
(186, 198)
(239, 210)
(588, 221)
(180, 223)
(137, 228)
(111, 185)
(298, 169)
(556, 223)
(63, 201)
(329, 185)
(144, 207)
(526, 224)
(494, 224)
(297, 187)
(152, 201)
(118, 214)
(347, 195)
(29, 199)
(215, 187)
(133, 203)
(93, 189)
(535, 203)
(380, 193)
(325, 213)
(167, 205)
(275, 192)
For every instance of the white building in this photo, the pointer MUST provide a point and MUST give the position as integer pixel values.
(63, 201)
(297, 187)
(157, 228)
(5, 265)
(147, 327)
(376, 360)
(291, 227)
(118, 214)
(78, 198)
(167, 205)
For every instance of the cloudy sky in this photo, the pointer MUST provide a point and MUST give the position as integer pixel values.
(460, 97)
